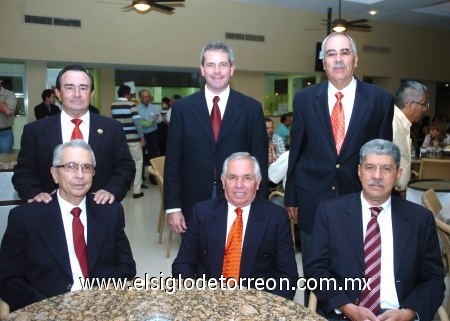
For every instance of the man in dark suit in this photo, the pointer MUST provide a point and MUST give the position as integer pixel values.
(195, 152)
(115, 169)
(319, 168)
(408, 283)
(266, 241)
(38, 256)
(47, 107)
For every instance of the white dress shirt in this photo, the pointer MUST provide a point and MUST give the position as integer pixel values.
(402, 138)
(348, 100)
(67, 126)
(67, 218)
(222, 102)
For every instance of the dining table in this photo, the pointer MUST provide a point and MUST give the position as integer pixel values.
(184, 303)
(416, 188)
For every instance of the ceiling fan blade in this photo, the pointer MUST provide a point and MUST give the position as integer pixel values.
(130, 7)
(162, 7)
(358, 21)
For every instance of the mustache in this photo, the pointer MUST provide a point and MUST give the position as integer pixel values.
(339, 65)
(376, 183)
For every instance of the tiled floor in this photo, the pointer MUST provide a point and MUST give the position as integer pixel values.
(141, 228)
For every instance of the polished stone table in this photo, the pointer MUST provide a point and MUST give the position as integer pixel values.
(121, 305)
(8, 161)
(415, 189)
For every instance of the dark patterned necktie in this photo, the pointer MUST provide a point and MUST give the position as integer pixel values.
(233, 249)
(216, 118)
(79, 242)
(372, 261)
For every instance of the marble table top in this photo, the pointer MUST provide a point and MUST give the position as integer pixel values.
(121, 305)
(8, 161)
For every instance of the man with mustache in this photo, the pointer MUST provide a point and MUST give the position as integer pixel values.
(388, 244)
(115, 167)
(327, 133)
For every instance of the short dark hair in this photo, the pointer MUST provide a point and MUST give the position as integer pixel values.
(74, 68)
(47, 93)
(123, 90)
(284, 117)
(268, 119)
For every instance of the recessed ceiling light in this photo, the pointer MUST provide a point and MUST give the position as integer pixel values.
(373, 12)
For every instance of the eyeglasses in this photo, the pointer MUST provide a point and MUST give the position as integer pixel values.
(384, 169)
(333, 53)
(423, 105)
(73, 167)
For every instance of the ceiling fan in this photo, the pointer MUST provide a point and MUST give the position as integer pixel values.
(144, 5)
(340, 25)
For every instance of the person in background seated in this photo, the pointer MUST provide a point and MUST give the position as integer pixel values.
(52, 248)
(239, 225)
(436, 136)
(284, 128)
(276, 143)
(47, 107)
(387, 245)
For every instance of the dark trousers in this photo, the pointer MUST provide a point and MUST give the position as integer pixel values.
(151, 150)
(305, 244)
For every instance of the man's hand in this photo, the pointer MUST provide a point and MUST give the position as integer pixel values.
(398, 315)
(42, 197)
(357, 313)
(143, 142)
(103, 197)
(155, 118)
(293, 213)
(176, 222)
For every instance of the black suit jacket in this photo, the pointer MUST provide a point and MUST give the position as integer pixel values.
(114, 171)
(34, 259)
(41, 110)
(267, 252)
(192, 154)
(337, 251)
(316, 172)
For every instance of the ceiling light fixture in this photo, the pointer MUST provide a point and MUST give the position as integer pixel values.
(141, 5)
(339, 25)
(373, 12)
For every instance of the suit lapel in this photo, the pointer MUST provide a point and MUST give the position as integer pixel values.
(352, 220)
(52, 233)
(216, 235)
(97, 226)
(401, 230)
(323, 113)
(201, 114)
(96, 131)
(231, 115)
(53, 132)
(256, 225)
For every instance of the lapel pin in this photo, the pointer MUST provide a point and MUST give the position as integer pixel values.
(100, 131)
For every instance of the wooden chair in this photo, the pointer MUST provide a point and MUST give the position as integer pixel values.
(4, 308)
(157, 170)
(433, 169)
(280, 194)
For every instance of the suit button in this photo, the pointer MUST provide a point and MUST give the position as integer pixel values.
(266, 256)
(204, 252)
(333, 188)
(338, 166)
(69, 286)
(363, 275)
(356, 301)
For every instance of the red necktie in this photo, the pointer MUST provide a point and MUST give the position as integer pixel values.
(215, 117)
(76, 134)
(232, 258)
(78, 241)
(338, 122)
(372, 260)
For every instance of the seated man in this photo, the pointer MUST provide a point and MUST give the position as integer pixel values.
(253, 230)
(44, 253)
(386, 245)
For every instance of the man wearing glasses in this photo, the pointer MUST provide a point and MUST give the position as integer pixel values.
(411, 101)
(52, 248)
(331, 121)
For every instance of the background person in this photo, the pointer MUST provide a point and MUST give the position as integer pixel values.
(8, 103)
(284, 128)
(47, 107)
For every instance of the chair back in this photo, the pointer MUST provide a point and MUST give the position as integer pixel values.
(158, 165)
(434, 168)
(4, 308)
(431, 201)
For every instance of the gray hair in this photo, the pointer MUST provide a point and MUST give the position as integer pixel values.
(409, 90)
(57, 154)
(143, 91)
(324, 42)
(380, 147)
(217, 46)
(241, 156)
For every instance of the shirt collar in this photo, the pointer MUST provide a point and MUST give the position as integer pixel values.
(209, 95)
(67, 119)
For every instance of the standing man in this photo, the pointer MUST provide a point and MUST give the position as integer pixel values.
(284, 128)
(387, 245)
(115, 167)
(328, 132)
(411, 101)
(50, 248)
(205, 128)
(250, 229)
(151, 117)
(125, 111)
(8, 103)
(47, 107)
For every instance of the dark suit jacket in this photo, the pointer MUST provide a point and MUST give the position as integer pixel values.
(315, 171)
(34, 259)
(267, 252)
(114, 171)
(192, 154)
(41, 110)
(337, 250)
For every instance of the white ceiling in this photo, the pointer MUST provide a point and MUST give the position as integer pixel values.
(427, 13)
